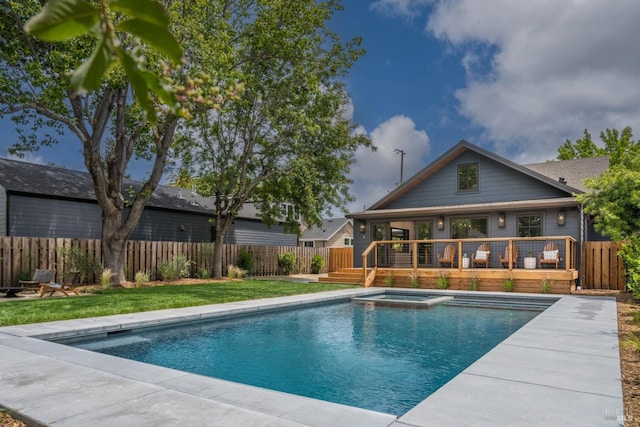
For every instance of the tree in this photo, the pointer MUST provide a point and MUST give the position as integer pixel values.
(616, 146)
(286, 139)
(38, 94)
(614, 199)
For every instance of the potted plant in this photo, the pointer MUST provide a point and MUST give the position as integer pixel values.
(465, 261)
(530, 261)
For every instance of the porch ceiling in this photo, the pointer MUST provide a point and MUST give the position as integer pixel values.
(564, 202)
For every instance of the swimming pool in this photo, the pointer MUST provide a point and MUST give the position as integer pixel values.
(379, 357)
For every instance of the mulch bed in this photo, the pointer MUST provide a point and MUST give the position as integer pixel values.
(629, 356)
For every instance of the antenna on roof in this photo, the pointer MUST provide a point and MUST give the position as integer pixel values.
(193, 189)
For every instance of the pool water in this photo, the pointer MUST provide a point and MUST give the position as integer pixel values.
(383, 358)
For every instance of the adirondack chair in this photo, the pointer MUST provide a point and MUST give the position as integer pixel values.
(481, 257)
(504, 260)
(67, 285)
(549, 255)
(40, 276)
(448, 257)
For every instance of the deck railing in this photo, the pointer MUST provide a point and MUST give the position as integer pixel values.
(424, 254)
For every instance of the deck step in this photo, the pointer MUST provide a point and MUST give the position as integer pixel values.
(344, 276)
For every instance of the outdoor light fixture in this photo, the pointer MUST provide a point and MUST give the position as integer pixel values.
(501, 220)
(560, 218)
(363, 227)
(440, 223)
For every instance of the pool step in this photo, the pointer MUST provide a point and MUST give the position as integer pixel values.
(523, 304)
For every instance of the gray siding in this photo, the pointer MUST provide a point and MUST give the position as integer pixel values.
(497, 183)
(244, 232)
(172, 226)
(40, 217)
(3, 211)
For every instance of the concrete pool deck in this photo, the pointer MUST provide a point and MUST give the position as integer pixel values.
(562, 368)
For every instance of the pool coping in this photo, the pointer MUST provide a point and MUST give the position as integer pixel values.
(562, 367)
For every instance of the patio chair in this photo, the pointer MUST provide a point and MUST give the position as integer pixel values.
(448, 257)
(481, 257)
(40, 276)
(67, 285)
(505, 260)
(549, 255)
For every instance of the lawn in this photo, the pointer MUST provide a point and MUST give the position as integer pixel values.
(133, 300)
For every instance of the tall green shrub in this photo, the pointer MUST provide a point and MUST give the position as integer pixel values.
(246, 261)
(175, 269)
(76, 260)
(287, 262)
(317, 262)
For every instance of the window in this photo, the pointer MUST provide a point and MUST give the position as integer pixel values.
(289, 211)
(468, 177)
(348, 241)
(308, 244)
(529, 225)
(464, 228)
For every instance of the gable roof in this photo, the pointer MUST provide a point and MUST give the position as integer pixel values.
(25, 178)
(574, 172)
(456, 151)
(330, 227)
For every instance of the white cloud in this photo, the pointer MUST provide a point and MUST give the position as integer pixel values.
(376, 173)
(404, 8)
(542, 71)
(28, 157)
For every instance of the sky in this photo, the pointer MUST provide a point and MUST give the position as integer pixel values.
(514, 77)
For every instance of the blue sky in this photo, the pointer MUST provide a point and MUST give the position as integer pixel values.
(514, 77)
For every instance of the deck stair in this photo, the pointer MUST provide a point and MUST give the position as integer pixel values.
(346, 276)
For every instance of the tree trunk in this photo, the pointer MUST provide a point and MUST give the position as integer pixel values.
(221, 226)
(114, 248)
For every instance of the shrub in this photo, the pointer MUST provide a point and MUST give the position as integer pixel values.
(246, 261)
(388, 280)
(286, 262)
(105, 278)
(443, 280)
(545, 286)
(234, 272)
(414, 279)
(317, 262)
(77, 260)
(176, 268)
(142, 277)
(204, 273)
(509, 285)
(475, 281)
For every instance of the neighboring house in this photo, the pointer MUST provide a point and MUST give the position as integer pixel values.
(470, 192)
(47, 201)
(334, 233)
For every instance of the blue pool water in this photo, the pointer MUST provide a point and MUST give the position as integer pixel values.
(383, 358)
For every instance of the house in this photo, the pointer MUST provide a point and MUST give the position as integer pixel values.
(334, 233)
(47, 201)
(471, 193)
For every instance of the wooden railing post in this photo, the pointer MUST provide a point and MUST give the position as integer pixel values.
(459, 255)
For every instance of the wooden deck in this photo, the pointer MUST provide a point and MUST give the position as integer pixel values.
(560, 281)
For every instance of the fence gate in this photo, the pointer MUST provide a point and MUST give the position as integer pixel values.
(601, 266)
(340, 258)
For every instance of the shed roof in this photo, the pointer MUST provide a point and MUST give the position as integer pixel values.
(330, 226)
(55, 182)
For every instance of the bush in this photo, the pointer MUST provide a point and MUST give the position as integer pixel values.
(443, 280)
(77, 260)
(105, 278)
(175, 269)
(317, 262)
(234, 272)
(141, 278)
(246, 261)
(509, 284)
(286, 262)
(204, 273)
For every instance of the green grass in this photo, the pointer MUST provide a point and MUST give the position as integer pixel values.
(120, 301)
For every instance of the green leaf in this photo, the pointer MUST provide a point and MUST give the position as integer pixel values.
(154, 35)
(87, 76)
(150, 11)
(138, 83)
(62, 19)
(166, 96)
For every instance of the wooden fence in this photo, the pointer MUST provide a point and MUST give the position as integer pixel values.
(601, 266)
(19, 256)
(340, 258)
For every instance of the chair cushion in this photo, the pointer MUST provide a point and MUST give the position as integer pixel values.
(551, 255)
(482, 255)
